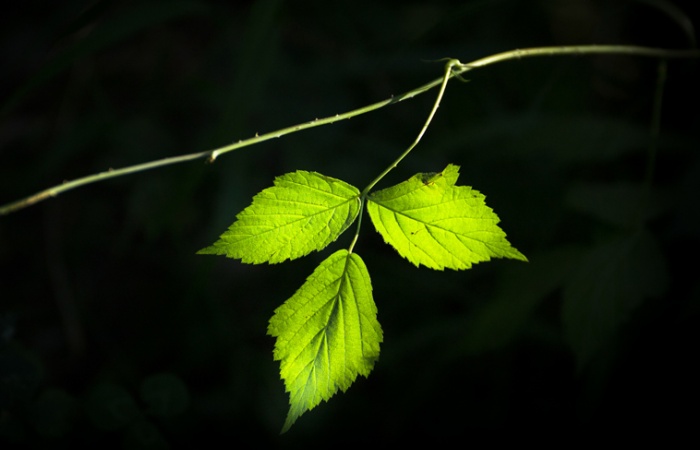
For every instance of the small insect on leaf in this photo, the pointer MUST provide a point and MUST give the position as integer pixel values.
(429, 178)
(460, 229)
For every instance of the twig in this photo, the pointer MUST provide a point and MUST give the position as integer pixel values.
(457, 69)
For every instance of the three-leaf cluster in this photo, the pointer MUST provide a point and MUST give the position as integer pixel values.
(327, 332)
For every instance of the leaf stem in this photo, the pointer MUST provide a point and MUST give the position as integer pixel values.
(655, 128)
(456, 69)
(451, 63)
(361, 199)
(443, 85)
(654, 133)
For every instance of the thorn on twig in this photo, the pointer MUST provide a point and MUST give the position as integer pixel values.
(461, 78)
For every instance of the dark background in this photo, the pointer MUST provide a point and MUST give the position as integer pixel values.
(115, 334)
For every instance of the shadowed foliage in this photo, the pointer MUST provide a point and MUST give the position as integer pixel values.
(114, 333)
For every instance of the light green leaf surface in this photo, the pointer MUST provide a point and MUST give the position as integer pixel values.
(327, 333)
(432, 222)
(302, 212)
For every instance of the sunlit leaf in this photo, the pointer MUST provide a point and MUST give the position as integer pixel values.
(432, 222)
(302, 212)
(327, 333)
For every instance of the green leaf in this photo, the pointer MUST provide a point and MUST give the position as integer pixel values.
(520, 290)
(620, 204)
(302, 212)
(327, 333)
(430, 221)
(608, 284)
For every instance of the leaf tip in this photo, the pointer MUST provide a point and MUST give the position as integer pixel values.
(206, 251)
(288, 423)
(516, 254)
